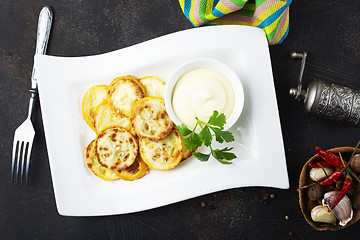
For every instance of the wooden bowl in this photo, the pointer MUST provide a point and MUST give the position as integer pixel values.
(307, 205)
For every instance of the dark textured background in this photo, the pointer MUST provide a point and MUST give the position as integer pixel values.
(327, 30)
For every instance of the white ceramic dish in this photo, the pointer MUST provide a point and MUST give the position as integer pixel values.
(217, 66)
(63, 81)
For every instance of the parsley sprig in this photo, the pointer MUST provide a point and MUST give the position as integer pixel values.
(193, 140)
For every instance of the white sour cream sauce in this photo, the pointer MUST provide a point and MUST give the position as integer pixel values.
(199, 92)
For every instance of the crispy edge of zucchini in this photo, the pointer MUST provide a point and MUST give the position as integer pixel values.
(136, 171)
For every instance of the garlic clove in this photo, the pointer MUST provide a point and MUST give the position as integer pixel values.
(343, 210)
(318, 174)
(323, 214)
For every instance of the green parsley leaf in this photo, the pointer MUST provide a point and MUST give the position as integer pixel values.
(189, 143)
(223, 135)
(201, 156)
(223, 156)
(183, 130)
(213, 117)
(194, 140)
(205, 136)
(217, 120)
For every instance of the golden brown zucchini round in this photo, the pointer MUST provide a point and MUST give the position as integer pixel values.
(95, 167)
(149, 119)
(124, 92)
(116, 148)
(105, 116)
(164, 154)
(91, 99)
(154, 87)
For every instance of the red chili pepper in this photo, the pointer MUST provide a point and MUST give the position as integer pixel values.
(319, 164)
(330, 157)
(332, 178)
(343, 192)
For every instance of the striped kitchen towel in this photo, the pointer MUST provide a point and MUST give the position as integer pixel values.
(270, 15)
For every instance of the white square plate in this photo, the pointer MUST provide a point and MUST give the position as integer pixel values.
(258, 142)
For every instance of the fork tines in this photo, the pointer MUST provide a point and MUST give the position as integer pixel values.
(20, 162)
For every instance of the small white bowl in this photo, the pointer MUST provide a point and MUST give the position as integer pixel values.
(212, 64)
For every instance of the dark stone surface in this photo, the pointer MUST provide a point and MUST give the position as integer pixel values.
(327, 30)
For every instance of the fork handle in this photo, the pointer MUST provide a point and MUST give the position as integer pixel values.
(31, 102)
(42, 39)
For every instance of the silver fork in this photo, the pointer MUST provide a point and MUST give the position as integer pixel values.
(24, 134)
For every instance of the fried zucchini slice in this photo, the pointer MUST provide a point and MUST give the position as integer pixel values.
(116, 148)
(154, 86)
(95, 167)
(91, 99)
(149, 118)
(164, 154)
(106, 116)
(137, 170)
(124, 92)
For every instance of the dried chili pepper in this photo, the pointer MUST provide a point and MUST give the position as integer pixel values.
(344, 190)
(332, 178)
(330, 157)
(319, 164)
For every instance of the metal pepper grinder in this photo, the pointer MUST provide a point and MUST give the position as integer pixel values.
(327, 100)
